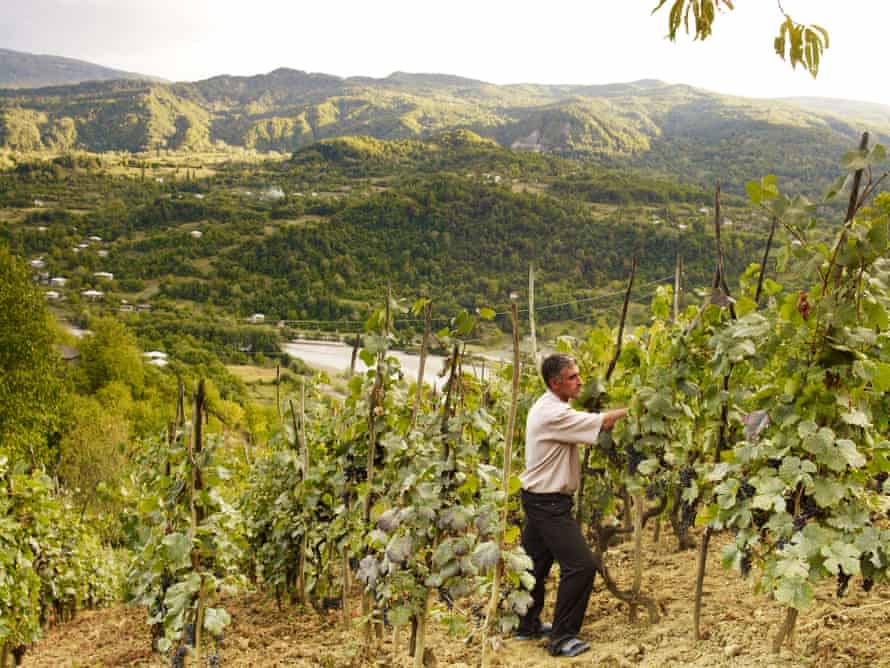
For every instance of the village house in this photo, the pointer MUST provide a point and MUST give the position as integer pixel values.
(156, 357)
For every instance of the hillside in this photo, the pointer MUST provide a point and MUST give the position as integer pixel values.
(30, 70)
(693, 135)
(319, 236)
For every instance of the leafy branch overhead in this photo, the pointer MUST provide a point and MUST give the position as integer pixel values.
(798, 43)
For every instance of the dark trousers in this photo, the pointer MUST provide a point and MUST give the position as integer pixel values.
(550, 532)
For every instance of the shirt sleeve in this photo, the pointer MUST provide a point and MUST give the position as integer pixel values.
(570, 426)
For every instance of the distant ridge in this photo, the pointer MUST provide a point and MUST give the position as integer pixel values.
(28, 70)
(867, 112)
(690, 134)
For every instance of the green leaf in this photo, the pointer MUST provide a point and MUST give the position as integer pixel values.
(515, 485)
(215, 620)
(487, 313)
(367, 357)
(795, 593)
(177, 549)
(851, 455)
(877, 155)
(754, 192)
(400, 615)
(827, 492)
(855, 160)
(881, 379)
(464, 323)
(486, 555)
(841, 555)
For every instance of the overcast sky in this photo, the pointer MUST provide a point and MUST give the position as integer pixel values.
(547, 41)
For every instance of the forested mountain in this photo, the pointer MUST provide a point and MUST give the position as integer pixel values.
(31, 70)
(320, 235)
(691, 134)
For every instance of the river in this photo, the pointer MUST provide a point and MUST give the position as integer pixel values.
(334, 357)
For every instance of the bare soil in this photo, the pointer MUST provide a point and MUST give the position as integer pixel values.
(738, 624)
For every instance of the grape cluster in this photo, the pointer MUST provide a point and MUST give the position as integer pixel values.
(189, 635)
(655, 490)
(178, 660)
(213, 661)
(746, 490)
(687, 475)
(809, 509)
(759, 517)
(745, 564)
(843, 580)
(634, 457)
(687, 516)
(867, 584)
(355, 473)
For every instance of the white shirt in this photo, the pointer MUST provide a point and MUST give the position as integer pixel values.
(552, 433)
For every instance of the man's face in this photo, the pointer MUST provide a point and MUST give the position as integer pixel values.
(568, 384)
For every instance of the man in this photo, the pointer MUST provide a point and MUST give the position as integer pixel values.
(552, 475)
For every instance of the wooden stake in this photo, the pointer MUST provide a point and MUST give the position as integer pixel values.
(355, 347)
(787, 630)
(278, 393)
(848, 219)
(769, 243)
(508, 455)
(421, 632)
(609, 371)
(531, 311)
(678, 273)
(638, 554)
(427, 330)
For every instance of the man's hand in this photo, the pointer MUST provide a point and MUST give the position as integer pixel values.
(611, 417)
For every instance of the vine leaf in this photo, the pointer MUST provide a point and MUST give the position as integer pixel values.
(795, 592)
(178, 549)
(755, 422)
(827, 492)
(486, 555)
(215, 620)
(841, 555)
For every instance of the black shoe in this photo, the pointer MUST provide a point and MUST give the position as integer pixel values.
(569, 647)
(542, 632)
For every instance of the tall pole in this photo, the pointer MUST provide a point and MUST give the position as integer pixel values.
(531, 310)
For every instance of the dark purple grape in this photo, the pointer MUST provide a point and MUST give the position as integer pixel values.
(655, 490)
(745, 564)
(189, 635)
(867, 584)
(634, 457)
(178, 660)
(746, 490)
(843, 580)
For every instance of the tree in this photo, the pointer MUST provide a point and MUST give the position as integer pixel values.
(111, 354)
(798, 43)
(91, 461)
(31, 389)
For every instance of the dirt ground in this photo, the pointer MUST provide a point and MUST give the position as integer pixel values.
(739, 625)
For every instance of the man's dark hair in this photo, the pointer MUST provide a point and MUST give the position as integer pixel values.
(553, 365)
